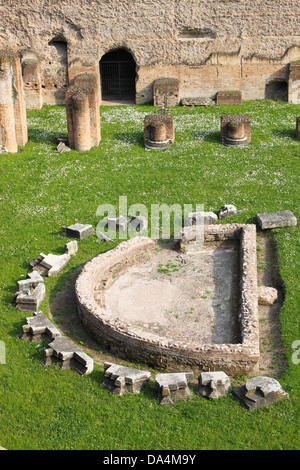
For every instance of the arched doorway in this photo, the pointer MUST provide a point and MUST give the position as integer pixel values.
(118, 74)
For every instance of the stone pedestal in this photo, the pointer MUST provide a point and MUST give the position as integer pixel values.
(173, 386)
(37, 328)
(159, 131)
(229, 97)
(166, 87)
(83, 116)
(213, 384)
(259, 392)
(13, 123)
(235, 130)
(121, 380)
(31, 292)
(68, 355)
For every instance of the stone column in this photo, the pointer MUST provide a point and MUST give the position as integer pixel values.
(32, 83)
(235, 130)
(19, 104)
(13, 122)
(158, 132)
(7, 119)
(83, 116)
(298, 128)
(294, 83)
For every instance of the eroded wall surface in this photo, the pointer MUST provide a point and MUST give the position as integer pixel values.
(209, 45)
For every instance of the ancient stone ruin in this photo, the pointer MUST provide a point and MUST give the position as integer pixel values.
(259, 392)
(80, 231)
(213, 384)
(298, 128)
(13, 121)
(39, 328)
(229, 97)
(83, 116)
(172, 387)
(235, 130)
(121, 379)
(67, 355)
(159, 131)
(31, 70)
(293, 82)
(31, 292)
(255, 52)
(166, 92)
(277, 219)
(128, 305)
(50, 265)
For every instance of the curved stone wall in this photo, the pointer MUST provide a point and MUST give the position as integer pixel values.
(118, 336)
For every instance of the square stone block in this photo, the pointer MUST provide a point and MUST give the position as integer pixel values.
(276, 219)
(229, 97)
(166, 87)
(80, 231)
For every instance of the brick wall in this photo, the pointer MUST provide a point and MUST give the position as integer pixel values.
(209, 46)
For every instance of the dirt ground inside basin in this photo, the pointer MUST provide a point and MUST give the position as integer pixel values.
(191, 297)
(197, 294)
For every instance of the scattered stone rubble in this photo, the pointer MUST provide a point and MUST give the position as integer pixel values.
(267, 295)
(206, 218)
(71, 248)
(227, 210)
(120, 223)
(213, 384)
(63, 148)
(269, 220)
(37, 328)
(259, 392)
(50, 265)
(68, 355)
(197, 101)
(121, 380)
(3, 150)
(80, 231)
(31, 292)
(173, 386)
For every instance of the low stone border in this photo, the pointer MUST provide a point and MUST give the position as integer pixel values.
(121, 339)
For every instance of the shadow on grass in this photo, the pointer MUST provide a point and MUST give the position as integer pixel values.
(42, 136)
(131, 138)
(212, 136)
(285, 133)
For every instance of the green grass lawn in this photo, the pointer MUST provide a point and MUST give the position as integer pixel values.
(42, 190)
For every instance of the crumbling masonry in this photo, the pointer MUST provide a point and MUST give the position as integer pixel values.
(13, 124)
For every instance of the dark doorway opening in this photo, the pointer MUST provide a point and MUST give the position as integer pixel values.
(118, 74)
(277, 90)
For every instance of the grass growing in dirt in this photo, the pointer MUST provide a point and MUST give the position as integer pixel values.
(41, 190)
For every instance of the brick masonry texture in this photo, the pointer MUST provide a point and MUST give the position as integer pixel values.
(208, 46)
(157, 351)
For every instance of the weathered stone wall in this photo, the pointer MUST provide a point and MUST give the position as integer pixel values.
(209, 46)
